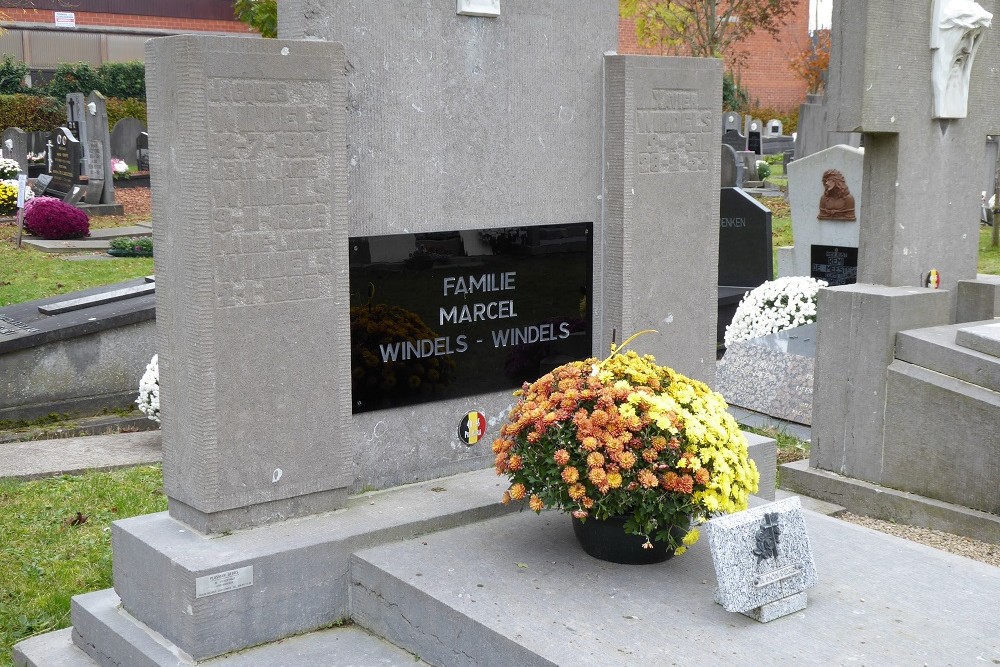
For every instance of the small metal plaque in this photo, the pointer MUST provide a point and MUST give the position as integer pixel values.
(223, 582)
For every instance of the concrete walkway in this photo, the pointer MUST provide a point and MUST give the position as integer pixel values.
(46, 458)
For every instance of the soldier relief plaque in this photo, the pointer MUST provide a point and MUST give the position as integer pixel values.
(442, 315)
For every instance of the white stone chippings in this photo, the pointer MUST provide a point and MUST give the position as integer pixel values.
(733, 540)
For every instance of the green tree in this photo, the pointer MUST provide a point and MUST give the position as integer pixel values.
(261, 15)
(12, 73)
(73, 78)
(703, 28)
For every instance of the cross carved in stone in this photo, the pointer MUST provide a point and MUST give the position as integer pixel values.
(923, 175)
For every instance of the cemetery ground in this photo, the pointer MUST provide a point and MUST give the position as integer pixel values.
(57, 539)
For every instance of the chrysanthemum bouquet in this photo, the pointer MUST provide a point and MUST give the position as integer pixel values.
(626, 437)
(149, 390)
(776, 305)
(9, 169)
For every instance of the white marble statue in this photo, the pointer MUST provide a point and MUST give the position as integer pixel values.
(957, 29)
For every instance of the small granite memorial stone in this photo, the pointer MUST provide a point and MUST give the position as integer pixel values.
(734, 139)
(732, 168)
(123, 138)
(41, 184)
(763, 561)
(14, 146)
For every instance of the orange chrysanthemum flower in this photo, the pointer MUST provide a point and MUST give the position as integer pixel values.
(626, 460)
(536, 503)
(649, 455)
(595, 460)
(561, 457)
(517, 491)
(577, 491)
(570, 474)
(647, 479)
(515, 462)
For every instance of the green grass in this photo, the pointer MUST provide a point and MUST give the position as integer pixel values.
(46, 557)
(989, 257)
(27, 274)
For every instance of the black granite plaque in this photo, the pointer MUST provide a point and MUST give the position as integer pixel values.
(834, 264)
(745, 255)
(448, 314)
(67, 154)
(753, 142)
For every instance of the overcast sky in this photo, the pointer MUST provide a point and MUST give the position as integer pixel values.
(819, 13)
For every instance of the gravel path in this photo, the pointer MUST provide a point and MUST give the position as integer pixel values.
(135, 200)
(984, 552)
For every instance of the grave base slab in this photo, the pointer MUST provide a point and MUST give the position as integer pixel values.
(881, 502)
(783, 607)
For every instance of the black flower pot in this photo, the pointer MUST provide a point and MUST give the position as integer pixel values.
(606, 539)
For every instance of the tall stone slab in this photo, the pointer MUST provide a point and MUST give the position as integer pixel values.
(462, 122)
(14, 144)
(661, 197)
(247, 156)
(919, 202)
(98, 151)
(123, 137)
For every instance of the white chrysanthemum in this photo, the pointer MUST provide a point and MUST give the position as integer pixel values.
(149, 391)
(776, 305)
(9, 168)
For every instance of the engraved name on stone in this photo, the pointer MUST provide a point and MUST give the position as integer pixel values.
(15, 327)
(270, 187)
(673, 132)
(774, 576)
(223, 582)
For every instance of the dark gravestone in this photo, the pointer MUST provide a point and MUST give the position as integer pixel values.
(66, 154)
(142, 151)
(834, 264)
(448, 314)
(735, 140)
(731, 168)
(745, 256)
(123, 140)
(754, 142)
(41, 184)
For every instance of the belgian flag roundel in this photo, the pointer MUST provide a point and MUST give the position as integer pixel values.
(472, 428)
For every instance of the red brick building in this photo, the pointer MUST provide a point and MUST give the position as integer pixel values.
(44, 33)
(114, 31)
(765, 72)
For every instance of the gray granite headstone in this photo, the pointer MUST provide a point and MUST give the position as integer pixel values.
(252, 322)
(41, 184)
(772, 375)
(763, 560)
(14, 143)
(98, 135)
(731, 168)
(123, 137)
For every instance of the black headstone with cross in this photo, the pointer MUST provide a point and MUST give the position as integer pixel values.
(919, 203)
(65, 155)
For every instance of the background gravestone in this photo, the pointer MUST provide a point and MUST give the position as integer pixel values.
(732, 138)
(731, 121)
(745, 258)
(66, 155)
(123, 138)
(805, 192)
(99, 139)
(731, 168)
(14, 143)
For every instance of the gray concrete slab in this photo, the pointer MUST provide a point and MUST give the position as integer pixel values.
(983, 338)
(881, 502)
(75, 245)
(936, 349)
(522, 580)
(46, 458)
(348, 645)
(120, 232)
(812, 504)
(757, 420)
